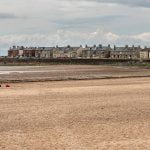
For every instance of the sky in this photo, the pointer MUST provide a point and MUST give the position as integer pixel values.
(74, 22)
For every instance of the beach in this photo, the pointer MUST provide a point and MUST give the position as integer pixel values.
(76, 115)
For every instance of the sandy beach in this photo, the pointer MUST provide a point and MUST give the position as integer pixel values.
(76, 115)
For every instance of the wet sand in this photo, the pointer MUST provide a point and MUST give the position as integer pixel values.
(76, 115)
(67, 72)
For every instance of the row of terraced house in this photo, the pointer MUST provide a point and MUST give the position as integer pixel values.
(93, 52)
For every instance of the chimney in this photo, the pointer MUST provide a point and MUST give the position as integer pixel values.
(133, 46)
(126, 46)
(68, 46)
(94, 45)
(22, 47)
(114, 47)
(14, 47)
(100, 46)
(139, 46)
(108, 45)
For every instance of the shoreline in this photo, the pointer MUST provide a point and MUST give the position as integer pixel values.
(68, 73)
(70, 79)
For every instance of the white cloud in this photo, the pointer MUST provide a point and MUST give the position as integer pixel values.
(51, 22)
(135, 3)
(63, 37)
(143, 37)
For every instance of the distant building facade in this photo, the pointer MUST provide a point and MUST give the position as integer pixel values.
(96, 52)
(125, 52)
(87, 52)
(16, 51)
(145, 53)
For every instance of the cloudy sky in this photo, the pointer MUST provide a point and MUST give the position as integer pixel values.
(75, 22)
